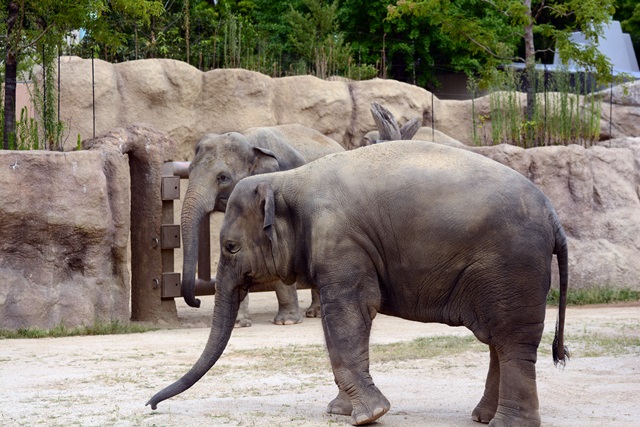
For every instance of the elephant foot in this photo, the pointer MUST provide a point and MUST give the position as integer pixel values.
(288, 318)
(484, 412)
(242, 323)
(515, 420)
(369, 407)
(368, 416)
(314, 310)
(341, 405)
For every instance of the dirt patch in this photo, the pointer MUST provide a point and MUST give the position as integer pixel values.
(280, 375)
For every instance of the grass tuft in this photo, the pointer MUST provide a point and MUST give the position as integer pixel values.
(98, 328)
(594, 296)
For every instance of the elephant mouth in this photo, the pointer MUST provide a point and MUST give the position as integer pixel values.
(221, 204)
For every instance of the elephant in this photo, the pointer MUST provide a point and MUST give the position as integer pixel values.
(412, 229)
(220, 161)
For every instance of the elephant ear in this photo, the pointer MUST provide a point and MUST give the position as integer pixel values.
(279, 253)
(265, 161)
(267, 204)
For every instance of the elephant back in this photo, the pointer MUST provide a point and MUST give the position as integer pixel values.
(310, 143)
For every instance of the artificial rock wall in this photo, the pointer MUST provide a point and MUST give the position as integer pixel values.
(65, 220)
(64, 225)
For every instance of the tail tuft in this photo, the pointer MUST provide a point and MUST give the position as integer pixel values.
(560, 352)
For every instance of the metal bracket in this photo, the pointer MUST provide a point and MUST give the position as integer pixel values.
(170, 189)
(171, 285)
(170, 236)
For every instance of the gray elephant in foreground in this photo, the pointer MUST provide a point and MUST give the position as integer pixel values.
(412, 229)
(221, 160)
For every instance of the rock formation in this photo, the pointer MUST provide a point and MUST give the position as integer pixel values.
(596, 192)
(186, 103)
(63, 238)
(65, 227)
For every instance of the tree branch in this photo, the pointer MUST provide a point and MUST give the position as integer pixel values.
(504, 12)
(35, 41)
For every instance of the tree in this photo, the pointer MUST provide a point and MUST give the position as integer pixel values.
(314, 35)
(34, 23)
(409, 47)
(628, 13)
(27, 22)
(459, 19)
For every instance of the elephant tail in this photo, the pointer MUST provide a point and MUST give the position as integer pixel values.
(560, 352)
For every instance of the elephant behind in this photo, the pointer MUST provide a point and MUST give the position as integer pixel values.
(412, 229)
(220, 161)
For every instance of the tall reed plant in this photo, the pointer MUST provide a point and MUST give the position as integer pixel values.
(567, 110)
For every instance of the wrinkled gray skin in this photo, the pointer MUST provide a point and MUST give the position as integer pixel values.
(221, 160)
(412, 229)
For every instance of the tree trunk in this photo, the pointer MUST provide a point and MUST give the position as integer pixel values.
(11, 71)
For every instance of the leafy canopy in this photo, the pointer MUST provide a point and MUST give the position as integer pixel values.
(496, 29)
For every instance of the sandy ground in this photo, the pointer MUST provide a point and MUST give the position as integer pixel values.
(106, 380)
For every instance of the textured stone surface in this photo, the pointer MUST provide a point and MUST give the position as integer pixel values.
(147, 150)
(186, 103)
(596, 192)
(63, 238)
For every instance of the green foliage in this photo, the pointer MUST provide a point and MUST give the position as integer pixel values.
(567, 111)
(628, 13)
(315, 37)
(498, 30)
(594, 296)
(98, 328)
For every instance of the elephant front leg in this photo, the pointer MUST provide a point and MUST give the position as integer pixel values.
(288, 308)
(346, 319)
(341, 405)
(486, 409)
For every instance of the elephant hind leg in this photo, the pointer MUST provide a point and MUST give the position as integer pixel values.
(314, 309)
(243, 320)
(518, 404)
(486, 409)
(288, 308)
(518, 401)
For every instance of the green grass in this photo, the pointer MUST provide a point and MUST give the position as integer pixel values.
(594, 296)
(425, 348)
(98, 328)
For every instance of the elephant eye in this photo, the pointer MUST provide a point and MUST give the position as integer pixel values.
(232, 247)
(223, 178)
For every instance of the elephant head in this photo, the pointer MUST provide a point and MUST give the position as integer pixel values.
(220, 162)
(247, 240)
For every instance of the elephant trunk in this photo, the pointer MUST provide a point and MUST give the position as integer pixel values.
(194, 211)
(224, 315)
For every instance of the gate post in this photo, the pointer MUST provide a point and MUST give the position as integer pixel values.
(147, 149)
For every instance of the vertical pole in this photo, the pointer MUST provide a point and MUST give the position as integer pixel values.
(433, 115)
(58, 83)
(544, 82)
(610, 106)
(44, 97)
(93, 92)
